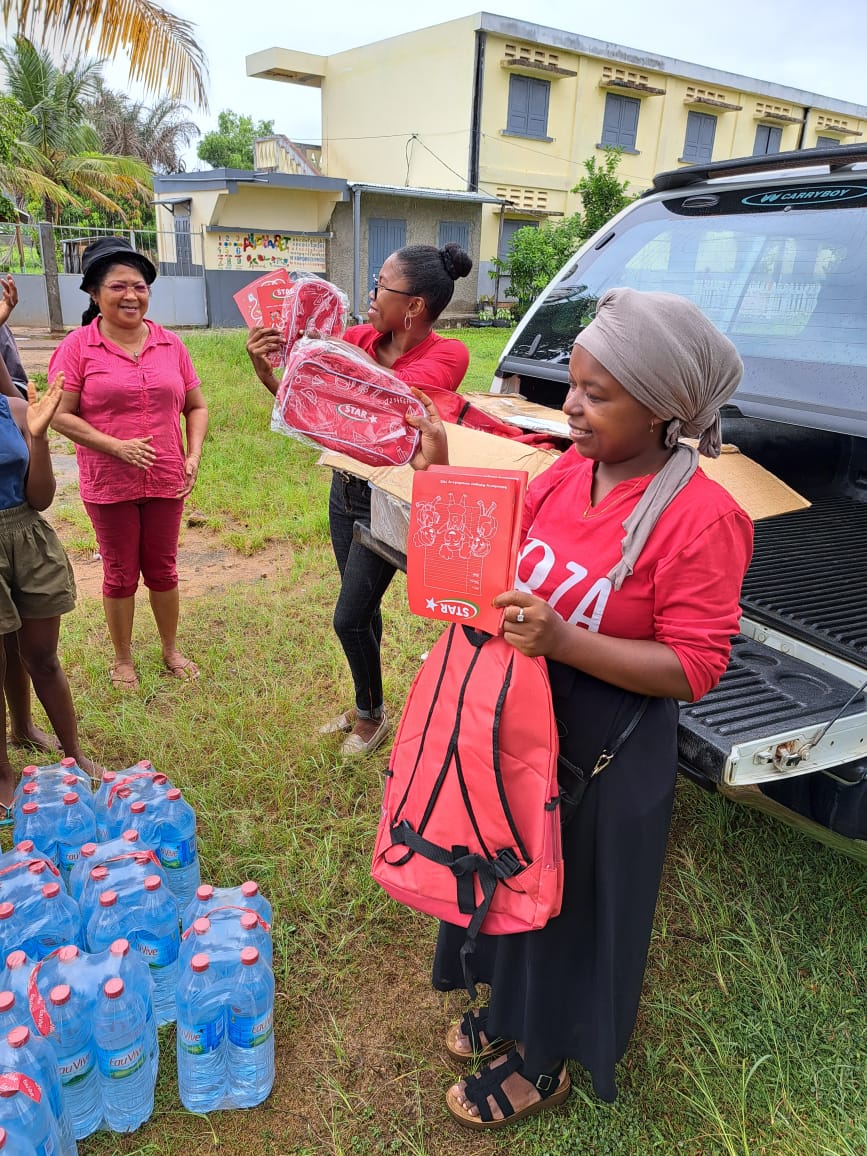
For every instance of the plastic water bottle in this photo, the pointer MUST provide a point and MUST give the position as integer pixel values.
(76, 825)
(15, 1145)
(73, 1046)
(35, 1056)
(100, 805)
(26, 1116)
(201, 1037)
(104, 925)
(156, 938)
(35, 822)
(15, 977)
(81, 869)
(129, 966)
(178, 852)
(57, 922)
(207, 898)
(125, 1075)
(11, 1016)
(250, 1031)
(142, 820)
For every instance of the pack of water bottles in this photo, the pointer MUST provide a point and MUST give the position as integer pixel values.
(92, 899)
(225, 1000)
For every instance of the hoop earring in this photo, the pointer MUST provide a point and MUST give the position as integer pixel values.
(407, 322)
(652, 426)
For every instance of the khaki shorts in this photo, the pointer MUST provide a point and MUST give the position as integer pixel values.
(36, 579)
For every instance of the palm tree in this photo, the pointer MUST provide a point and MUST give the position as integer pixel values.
(157, 134)
(58, 156)
(163, 53)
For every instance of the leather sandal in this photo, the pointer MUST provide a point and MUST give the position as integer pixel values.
(471, 1025)
(355, 745)
(553, 1088)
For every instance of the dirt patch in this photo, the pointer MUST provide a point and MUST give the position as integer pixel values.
(35, 347)
(205, 566)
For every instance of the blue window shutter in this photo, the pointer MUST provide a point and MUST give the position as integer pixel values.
(528, 106)
(700, 132)
(454, 232)
(620, 121)
(519, 104)
(384, 235)
(537, 117)
(769, 139)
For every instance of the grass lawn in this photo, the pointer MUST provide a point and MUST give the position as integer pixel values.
(751, 1036)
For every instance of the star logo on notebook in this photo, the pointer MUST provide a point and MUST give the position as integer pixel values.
(453, 607)
(431, 604)
(356, 413)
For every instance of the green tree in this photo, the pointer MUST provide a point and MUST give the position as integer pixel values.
(537, 255)
(57, 158)
(156, 134)
(602, 193)
(230, 145)
(163, 53)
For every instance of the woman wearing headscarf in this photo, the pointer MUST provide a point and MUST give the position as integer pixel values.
(129, 385)
(628, 584)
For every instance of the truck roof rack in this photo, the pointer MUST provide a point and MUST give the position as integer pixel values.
(835, 157)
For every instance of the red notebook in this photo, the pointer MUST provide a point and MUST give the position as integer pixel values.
(462, 544)
(265, 302)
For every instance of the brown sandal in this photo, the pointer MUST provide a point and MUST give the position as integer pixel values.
(121, 679)
(553, 1088)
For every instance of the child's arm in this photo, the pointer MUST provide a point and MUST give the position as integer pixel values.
(33, 420)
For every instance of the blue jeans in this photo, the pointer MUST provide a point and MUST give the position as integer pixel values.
(364, 580)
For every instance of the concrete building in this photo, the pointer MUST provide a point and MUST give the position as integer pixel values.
(512, 109)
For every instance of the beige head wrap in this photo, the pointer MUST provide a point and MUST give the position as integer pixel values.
(668, 356)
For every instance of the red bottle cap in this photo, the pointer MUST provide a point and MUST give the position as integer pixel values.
(7, 1001)
(152, 883)
(70, 799)
(15, 959)
(249, 920)
(113, 988)
(204, 891)
(30, 789)
(109, 776)
(173, 794)
(38, 867)
(138, 807)
(70, 780)
(130, 836)
(60, 995)
(30, 808)
(120, 947)
(51, 890)
(87, 849)
(68, 953)
(249, 888)
(18, 1037)
(249, 956)
(145, 764)
(68, 762)
(6, 910)
(201, 925)
(25, 846)
(108, 899)
(99, 873)
(29, 770)
(198, 963)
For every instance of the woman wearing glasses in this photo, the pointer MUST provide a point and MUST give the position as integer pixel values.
(127, 384)
(414, 286)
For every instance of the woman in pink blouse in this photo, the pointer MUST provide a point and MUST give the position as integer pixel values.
(127, 384)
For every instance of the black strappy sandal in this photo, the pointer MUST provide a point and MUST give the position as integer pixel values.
(553, 1088)
(472, 1024)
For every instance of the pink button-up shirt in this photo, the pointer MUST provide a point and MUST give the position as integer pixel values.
(128, 398)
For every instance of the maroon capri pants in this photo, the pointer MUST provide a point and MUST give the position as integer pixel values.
(137, 538)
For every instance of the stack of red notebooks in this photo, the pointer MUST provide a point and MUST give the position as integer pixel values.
(462, 544)
(295, 305)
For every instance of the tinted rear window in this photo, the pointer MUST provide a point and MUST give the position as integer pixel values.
(782, 271)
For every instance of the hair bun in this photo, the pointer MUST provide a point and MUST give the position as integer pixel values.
(456, 262)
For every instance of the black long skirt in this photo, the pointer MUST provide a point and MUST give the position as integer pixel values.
(571, 989)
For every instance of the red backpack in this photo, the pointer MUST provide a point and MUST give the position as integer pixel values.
(470, 824)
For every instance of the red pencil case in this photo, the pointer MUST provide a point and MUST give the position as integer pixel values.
(346, 403)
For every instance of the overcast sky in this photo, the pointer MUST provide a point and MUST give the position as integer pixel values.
(808, 44)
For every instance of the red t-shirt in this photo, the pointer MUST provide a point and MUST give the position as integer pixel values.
(437, 361)
(127, 399)
(685, 587)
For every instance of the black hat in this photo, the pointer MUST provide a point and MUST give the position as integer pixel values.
(104, 248)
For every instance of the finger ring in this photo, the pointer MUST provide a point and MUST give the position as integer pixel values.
(520, 617)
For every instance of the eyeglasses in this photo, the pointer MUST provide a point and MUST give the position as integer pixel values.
(138, 287)
(388, 289)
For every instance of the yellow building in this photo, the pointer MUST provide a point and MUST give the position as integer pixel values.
(513, 109)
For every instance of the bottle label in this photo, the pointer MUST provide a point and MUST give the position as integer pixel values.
(250, 1031)
(76, 1068)
(68, 855)
(157, 950)
(173, 856)
(199, 1039)
(118, 1064)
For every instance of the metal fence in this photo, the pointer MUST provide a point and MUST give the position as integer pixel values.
(22, 247)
